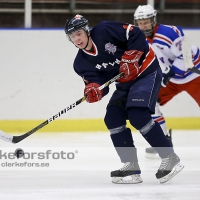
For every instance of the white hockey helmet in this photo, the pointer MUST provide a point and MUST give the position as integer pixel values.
(145, 12)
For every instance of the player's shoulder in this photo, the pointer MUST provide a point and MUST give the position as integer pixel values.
(99, 28)
(169, 31)
(105, 24)
(103, 28)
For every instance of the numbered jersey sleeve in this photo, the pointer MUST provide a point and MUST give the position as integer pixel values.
(177, 49)
(167, 43)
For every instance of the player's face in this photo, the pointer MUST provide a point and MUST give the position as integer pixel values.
(79, 38)
(144, 24)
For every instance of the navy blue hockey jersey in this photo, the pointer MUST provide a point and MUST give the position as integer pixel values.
(110, 41)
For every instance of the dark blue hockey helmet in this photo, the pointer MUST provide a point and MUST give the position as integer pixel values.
(76, 23)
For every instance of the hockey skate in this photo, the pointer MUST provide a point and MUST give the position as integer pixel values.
(169, 167)
(129, 173)
(150, 151)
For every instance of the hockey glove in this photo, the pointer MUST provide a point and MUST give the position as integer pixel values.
(129, 65)
(92, 93)
(167, 76)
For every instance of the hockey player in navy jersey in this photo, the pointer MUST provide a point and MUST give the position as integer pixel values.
(175, 55)
(105, 51)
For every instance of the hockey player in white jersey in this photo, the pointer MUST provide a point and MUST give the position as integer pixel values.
(175, 55)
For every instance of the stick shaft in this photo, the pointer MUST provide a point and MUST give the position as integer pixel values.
(194, 70)
(17, 139)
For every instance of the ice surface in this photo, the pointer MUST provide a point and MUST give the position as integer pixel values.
(87, 176)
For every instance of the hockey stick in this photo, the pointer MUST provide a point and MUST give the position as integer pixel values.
(194, 70)
(15, 139)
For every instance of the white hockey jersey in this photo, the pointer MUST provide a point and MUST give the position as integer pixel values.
(167, 44)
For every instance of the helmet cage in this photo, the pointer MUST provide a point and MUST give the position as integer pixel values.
(145, 12)
(147, 32)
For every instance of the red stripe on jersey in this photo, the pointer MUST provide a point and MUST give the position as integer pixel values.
(148, 60)
(156, 36)
(197, 61)
(92, 52)
(176, 30)
(159, 119)
(154, 32)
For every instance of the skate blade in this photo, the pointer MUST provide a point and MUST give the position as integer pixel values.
(133, 179)
(152, 156)
(173, 173)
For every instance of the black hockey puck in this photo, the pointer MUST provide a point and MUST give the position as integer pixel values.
(19, 153)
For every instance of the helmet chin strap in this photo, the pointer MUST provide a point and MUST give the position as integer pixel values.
(87, 42)
(149, 32)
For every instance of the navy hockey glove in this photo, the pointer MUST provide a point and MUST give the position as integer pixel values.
(129, 65)
(92, 93)
(167, 76)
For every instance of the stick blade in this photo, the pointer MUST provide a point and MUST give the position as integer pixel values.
(6, 137)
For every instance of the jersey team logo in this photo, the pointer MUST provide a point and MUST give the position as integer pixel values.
(111, 48)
